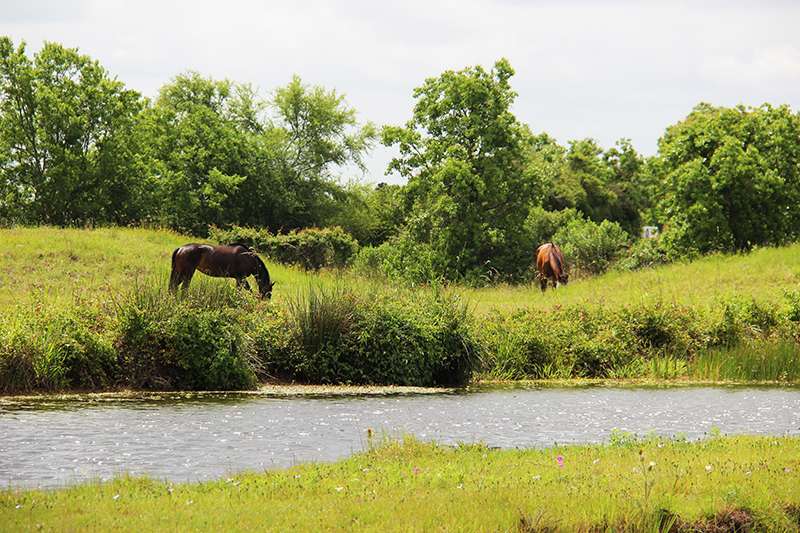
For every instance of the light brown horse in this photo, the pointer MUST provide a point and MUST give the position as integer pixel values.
(551, 265)
(225, 261)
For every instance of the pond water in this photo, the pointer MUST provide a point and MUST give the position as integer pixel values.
(52, 443)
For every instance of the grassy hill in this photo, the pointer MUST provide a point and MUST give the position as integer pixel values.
(54, 265)
(87, 309)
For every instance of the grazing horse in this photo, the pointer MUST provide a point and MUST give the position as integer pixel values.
(224, 261)
(551, 265)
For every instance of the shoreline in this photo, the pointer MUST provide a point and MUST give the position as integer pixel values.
(633, 484)
(270, 390)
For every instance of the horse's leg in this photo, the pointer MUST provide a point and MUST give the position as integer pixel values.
(242, 283)
(176, 279)
(187, 279)
(543, 284)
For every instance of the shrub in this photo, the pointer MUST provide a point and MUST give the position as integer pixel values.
(589, 246)
(181, 342)
(660, 330)
(311, 248)
(400, 259)
(644, 253)
(542, 225)
(343, 337)
(591, 342)
(54, 351)
(741, 318)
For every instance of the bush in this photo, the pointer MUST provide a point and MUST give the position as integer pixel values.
(596, 342)
(400, 259)
(311, 248)
(542, 225)
(167, 342)
(54, 351)
(343, 337)
(645, 253)
(742, 318)
(591, 247)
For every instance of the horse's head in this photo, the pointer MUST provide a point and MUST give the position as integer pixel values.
(563, 278)
(266, 290)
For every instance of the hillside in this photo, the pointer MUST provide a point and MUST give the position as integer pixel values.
(53, 266)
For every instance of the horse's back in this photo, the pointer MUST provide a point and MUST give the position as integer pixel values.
(549, 260)
(543, 256)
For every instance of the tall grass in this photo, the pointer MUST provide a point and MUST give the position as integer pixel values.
(89, 309)
(321, 317)
(380, 337)
(776, 360)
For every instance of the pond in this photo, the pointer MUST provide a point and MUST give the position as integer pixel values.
(50, 443)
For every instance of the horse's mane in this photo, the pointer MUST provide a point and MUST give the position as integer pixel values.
(263, 273)
(243, 245)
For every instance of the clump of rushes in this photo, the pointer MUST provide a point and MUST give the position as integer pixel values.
(341, 336)
(55, 350)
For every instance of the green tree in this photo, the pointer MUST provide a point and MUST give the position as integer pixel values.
(468, 187)
(67, 149)
(629, 180)
(371, 214)
(731, 178)
(311, 133)
(198, 150)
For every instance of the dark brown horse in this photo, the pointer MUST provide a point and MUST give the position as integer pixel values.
(224, 261)
(551, 265)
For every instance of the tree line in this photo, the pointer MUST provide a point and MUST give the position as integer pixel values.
(78, 147)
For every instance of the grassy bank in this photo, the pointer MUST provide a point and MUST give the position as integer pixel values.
(54, 265)
(88, 310)
(713, 485)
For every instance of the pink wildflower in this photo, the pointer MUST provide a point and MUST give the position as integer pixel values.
(560, 461)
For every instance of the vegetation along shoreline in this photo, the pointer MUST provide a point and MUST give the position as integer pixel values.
(632, 484)
(106, 331)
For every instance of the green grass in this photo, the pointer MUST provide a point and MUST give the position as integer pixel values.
(88, 309)
(54, 265)
(60, 266)
(771, 361)
(763, 274)
(411, 486)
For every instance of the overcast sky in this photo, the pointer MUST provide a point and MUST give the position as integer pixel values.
(598, 69)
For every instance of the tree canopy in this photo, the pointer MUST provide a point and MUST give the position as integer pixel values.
(482, 188)
(731, 178)
(463, 154)
(67, 154)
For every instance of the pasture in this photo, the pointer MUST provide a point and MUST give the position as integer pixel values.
(88, 309)
(55, 266)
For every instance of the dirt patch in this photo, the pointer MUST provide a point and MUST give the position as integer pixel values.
(793, 510)
(725, 521)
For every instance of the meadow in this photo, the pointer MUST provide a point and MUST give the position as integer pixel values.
(88, 309)
(631, 484)
(54, 266)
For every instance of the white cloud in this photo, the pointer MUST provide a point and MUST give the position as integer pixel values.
(600, 69)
